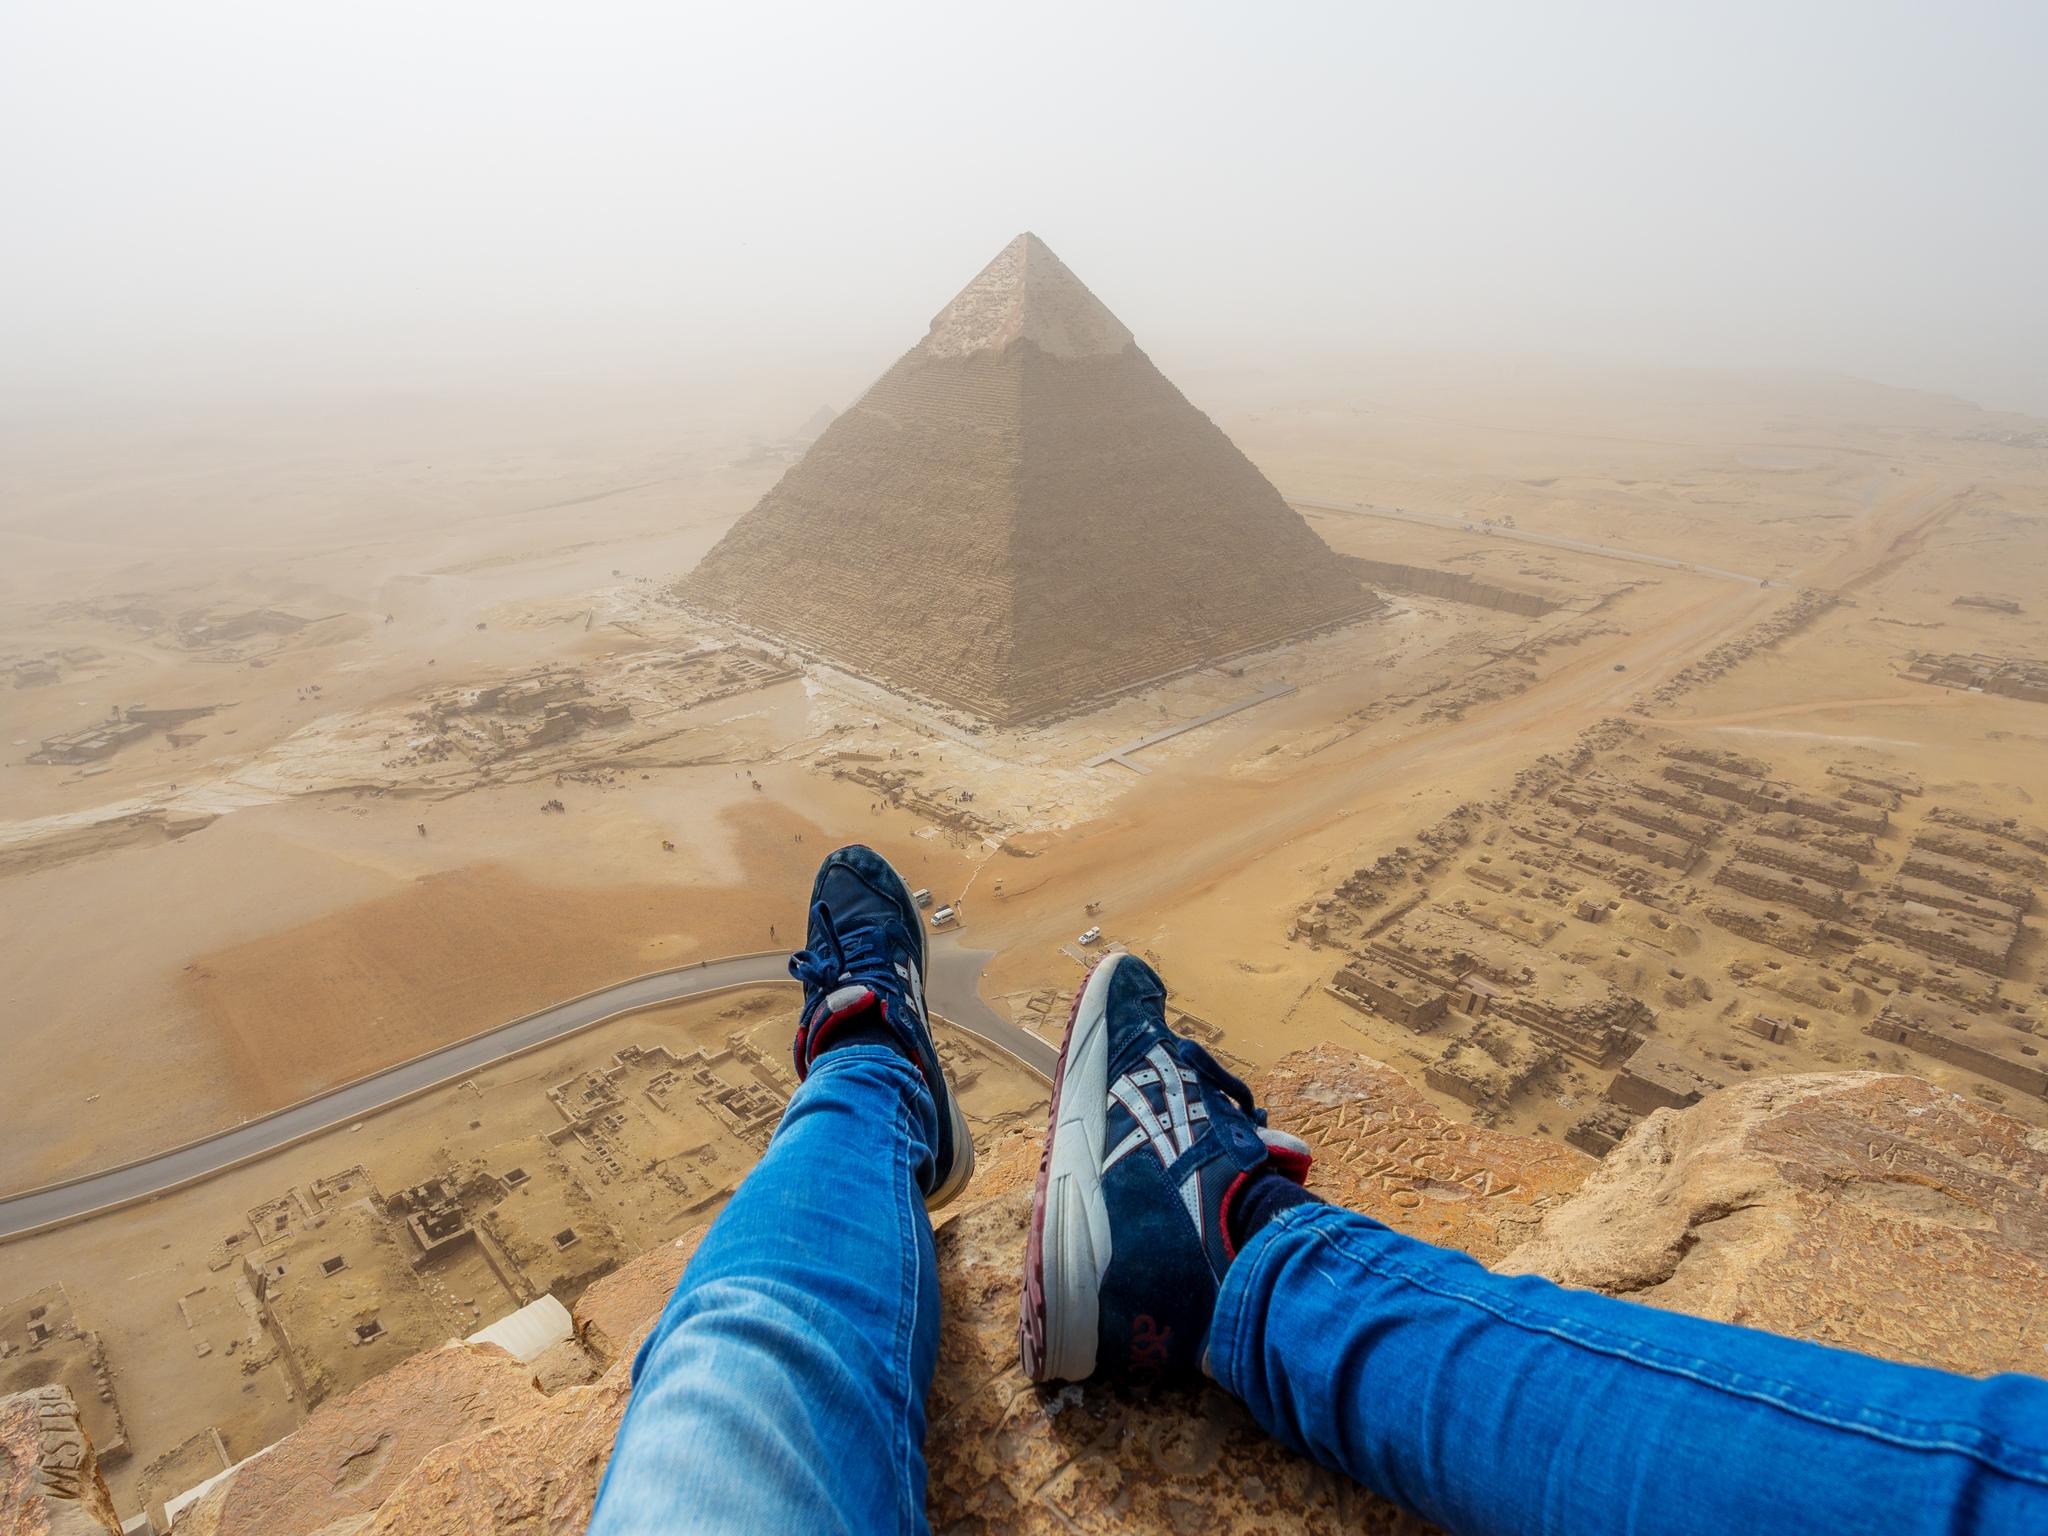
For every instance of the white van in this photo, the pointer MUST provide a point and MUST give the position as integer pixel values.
(921, 897)
(943, 916)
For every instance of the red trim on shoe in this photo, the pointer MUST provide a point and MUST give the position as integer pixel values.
(1288, 1163)
(1230, 1199)
(820, 1032)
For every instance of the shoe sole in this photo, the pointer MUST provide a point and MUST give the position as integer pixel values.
(963, 1140)
(1068, 1249)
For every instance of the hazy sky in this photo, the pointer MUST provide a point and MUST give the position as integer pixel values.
(293, 193)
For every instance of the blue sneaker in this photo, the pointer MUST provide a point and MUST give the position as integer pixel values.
(863, 960)
(1150, 1139)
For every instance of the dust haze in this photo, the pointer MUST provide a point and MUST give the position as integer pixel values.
(264, 198)
(1503, 551)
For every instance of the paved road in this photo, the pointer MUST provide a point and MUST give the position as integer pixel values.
(952, 989)
(1521, 536)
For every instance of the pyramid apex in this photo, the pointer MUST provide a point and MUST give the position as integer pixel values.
(1027, 294)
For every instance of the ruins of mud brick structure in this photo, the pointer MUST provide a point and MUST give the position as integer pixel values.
(691, 678)
(1379, 985)
(1858, 847)
(1762, 636)
(1481, 978)
(2012, 677)
(1633, 805)
(42, 1344)
(1780, 887)
(1737, 789)
(1843, 813)
(1997, 1044)
(898, 787)
(1983, 944)
(1935, 894)
(1769, 1027)
(1665, 849)
(1885, 967)
(1690, 802)
(108, 736)
(1954, 842)
(504, 719)
(1452, 586)
(1657, 1078)
(1719, 758)
(1601, 1129)
(2010, 829)
(201, 631)
(343, 1299)
(1986, 600)
(1897, 783)
(1031, 516)
(1487, 1066)
(1765, 926)
(1799, 859)
(39, 672)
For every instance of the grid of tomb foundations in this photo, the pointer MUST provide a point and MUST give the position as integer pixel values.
(1652, 916)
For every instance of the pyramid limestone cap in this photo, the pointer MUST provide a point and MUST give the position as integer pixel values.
(1027, 294)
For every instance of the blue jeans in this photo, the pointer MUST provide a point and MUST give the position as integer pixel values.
(783, 1389)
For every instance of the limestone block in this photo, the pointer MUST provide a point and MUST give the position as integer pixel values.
(356, 1449)
(50, 1483)
(615, 1314)
(1868, 1211)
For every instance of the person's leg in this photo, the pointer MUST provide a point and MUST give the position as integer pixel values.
(1496, 1404)
(784, 1387)
(1170, 1234)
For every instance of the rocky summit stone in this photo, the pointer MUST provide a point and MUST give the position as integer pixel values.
(1383, 1149)
(50, 1482)
(1868, 1211)
(348, 1458)
(616, 1313)
(535, 1475)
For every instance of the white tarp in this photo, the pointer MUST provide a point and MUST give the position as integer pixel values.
(530, 1332)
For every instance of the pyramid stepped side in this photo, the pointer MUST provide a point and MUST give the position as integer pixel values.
(1025, 517)
(1018, 535)
(884, 549)
(1146, 542)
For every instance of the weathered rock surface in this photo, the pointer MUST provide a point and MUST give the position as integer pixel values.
(1873, 1212)
(50, 1482)
(535, 1473)
(350, 1456)
(618, 1312)
(1876, 1212)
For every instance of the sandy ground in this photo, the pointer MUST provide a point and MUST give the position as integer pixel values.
(163, 986)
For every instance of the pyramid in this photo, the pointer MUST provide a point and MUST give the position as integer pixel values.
(1024, 516)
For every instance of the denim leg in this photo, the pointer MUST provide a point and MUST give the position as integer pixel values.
(1494, 1404)
(784, 1388)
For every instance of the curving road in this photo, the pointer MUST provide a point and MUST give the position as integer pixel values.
(952, 991)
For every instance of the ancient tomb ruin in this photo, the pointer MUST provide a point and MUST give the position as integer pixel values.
(1024, 516)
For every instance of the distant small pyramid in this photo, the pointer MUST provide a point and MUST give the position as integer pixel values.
(1022, 517)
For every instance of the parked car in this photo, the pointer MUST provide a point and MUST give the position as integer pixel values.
(922, 896)
(1091, 935)
(943, 916)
